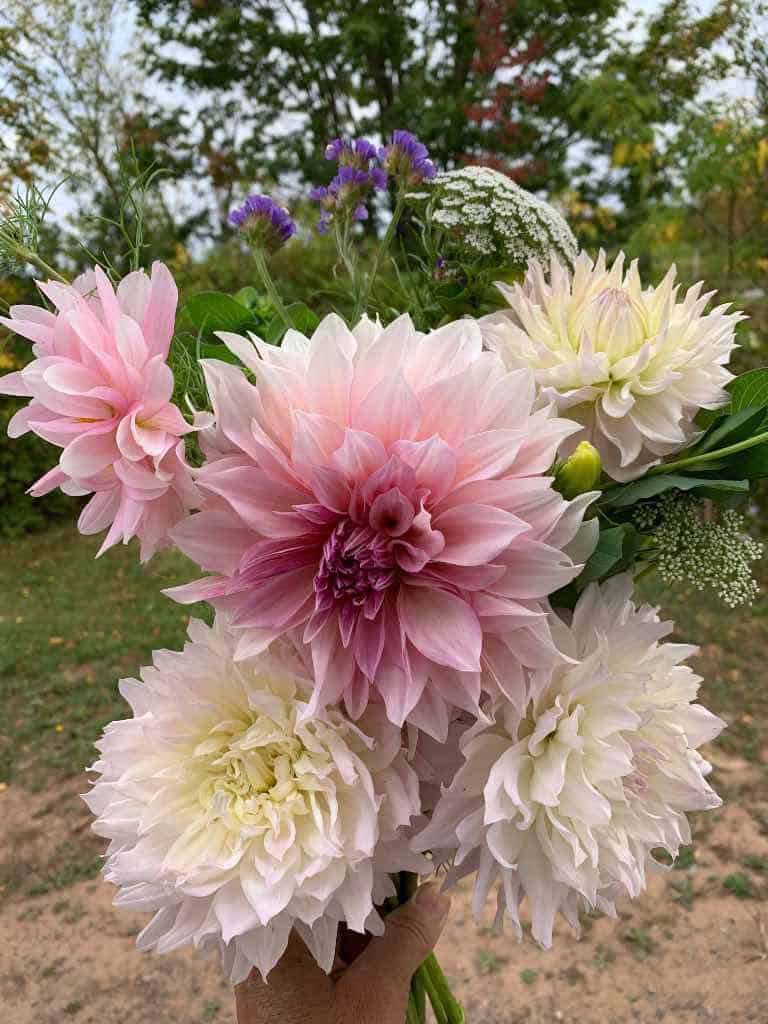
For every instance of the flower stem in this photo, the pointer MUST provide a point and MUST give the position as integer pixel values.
(381, 252)
(451, 1005)
(425, 979)
(269, 286)
(31, 257)
(718, 453)
(695, 460)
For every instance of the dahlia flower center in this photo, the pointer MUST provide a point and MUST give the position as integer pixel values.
(616, 323)
(357, 568)
(248, 773)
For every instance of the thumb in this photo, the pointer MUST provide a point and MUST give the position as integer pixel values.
(412, 931)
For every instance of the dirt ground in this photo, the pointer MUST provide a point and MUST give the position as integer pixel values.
(693, 950)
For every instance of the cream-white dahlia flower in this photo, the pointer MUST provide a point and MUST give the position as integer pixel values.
(562, 800)
(633, 365)
(237, 817)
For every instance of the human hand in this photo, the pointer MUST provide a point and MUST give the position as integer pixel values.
(370, 988)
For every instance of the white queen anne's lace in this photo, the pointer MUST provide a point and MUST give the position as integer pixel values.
(488, 215)
(237, 817)
(562, 799)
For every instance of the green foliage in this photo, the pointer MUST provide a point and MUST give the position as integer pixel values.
(328, 68)
(23, 461)
(616, 550)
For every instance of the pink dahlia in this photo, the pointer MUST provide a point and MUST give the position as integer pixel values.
(384, 493)
(101, 390)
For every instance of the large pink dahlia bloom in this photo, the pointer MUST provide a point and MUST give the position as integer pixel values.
(101, 390)
(384, 493)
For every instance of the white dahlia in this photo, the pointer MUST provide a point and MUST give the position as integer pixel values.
(237, 817)
(632, 365)
(562, 800)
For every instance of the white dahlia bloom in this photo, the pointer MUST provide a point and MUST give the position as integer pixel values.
(632, 365)
(237, 817)
(562, 800)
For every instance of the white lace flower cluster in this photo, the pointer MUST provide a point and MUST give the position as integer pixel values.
(486, 215)
(562, 797)
(706, 548)
(238, 817)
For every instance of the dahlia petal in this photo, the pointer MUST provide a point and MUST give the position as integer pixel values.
(99, 512)
(390, 410)
(275, 601)
(441, 626)
(88, 453)
(48, 482)
(476, 534)
(359, 455)
(433, 463)
(214, 540)
(14, 384)
(487, 455)
(159, 318)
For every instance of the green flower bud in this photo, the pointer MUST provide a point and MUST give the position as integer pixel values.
(579, 472)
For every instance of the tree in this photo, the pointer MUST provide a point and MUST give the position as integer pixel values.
(477, 80)
(72, 107)
(630, 111)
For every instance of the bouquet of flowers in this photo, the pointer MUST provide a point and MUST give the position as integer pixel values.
(419, 521)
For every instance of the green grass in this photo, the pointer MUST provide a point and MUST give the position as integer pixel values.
(488, 962)
(739, 885)
(70, 627)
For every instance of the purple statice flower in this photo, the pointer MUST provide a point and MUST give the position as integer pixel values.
(351, 152)
(263, 222)
(406, 159)
(353, 183)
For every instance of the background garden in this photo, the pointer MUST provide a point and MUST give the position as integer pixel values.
(647, 125)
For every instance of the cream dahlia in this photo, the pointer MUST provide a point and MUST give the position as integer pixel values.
(100, 389)
(238, 816)
(384, 495)
(562, 800)
(632, 365)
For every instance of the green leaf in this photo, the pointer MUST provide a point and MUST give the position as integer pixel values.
(729, 429)
(215, 311)
(651, 486)
(749, 390)
(616, 547)
(302, 319)
(752, 463)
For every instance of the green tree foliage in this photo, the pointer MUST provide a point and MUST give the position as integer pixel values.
(487, 81)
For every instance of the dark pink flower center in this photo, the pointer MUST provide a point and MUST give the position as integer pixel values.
(356, 569)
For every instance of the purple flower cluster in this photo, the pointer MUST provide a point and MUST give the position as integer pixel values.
(364, 169)
(263, 222)
(354, 181)
(406, 159)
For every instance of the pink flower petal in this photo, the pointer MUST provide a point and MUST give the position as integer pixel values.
(476, 534)
(88, 454)
(441, 626)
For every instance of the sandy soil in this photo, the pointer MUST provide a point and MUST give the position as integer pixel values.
(691, 951)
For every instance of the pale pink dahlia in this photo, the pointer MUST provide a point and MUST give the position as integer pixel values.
(384, 494)
(101, 390)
